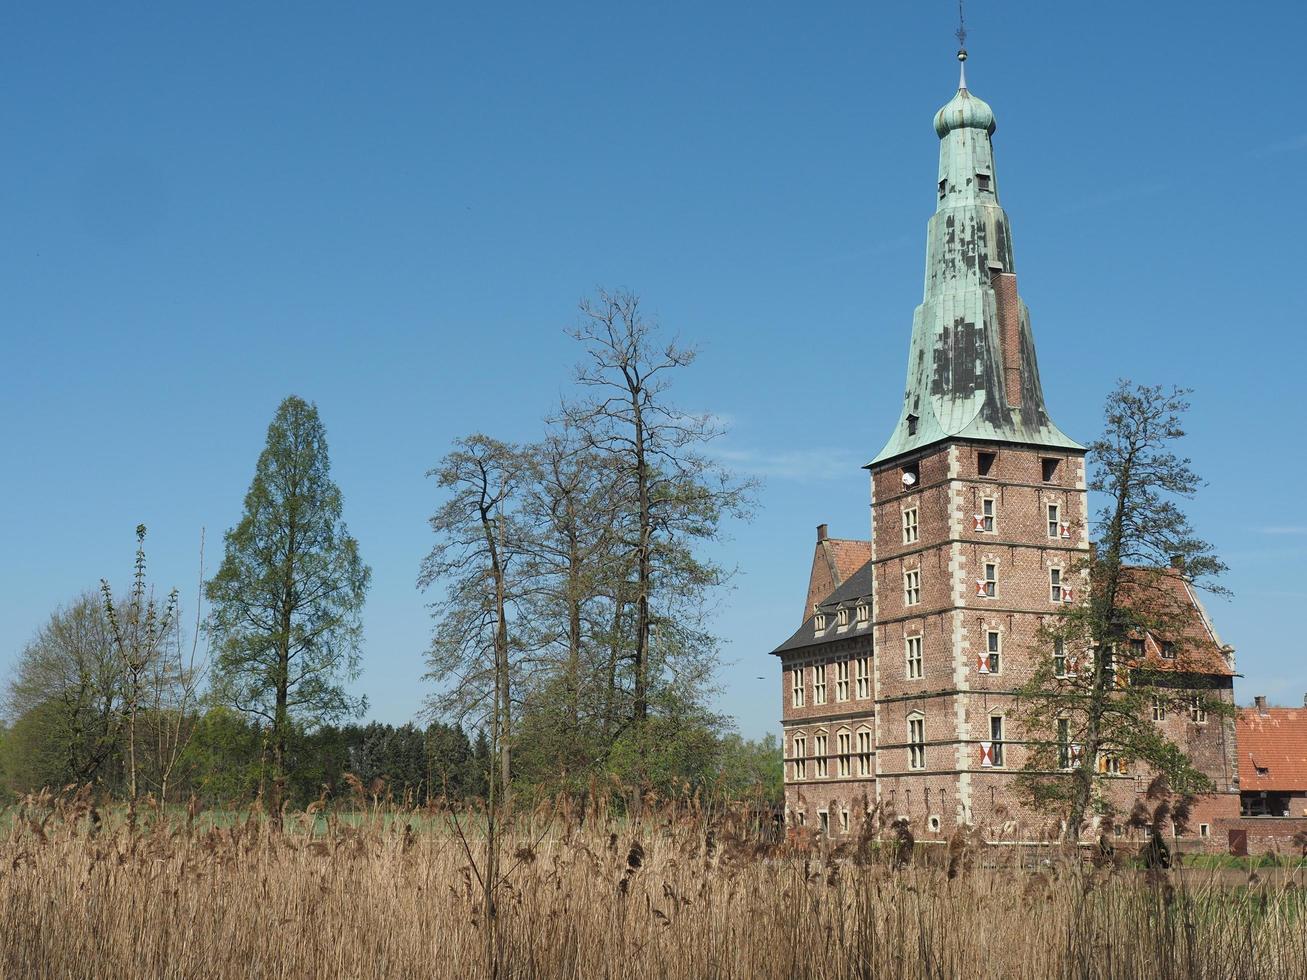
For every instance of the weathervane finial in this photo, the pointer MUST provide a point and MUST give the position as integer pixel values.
(961, 35)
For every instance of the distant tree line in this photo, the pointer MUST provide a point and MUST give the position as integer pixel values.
(572, 588)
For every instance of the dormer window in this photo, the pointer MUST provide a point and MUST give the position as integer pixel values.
(864, 613)
(982, 182)
(819, 622)
(842, 618)
(912, 425)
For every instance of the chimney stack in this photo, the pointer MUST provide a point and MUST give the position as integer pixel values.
(821, 533)
(1260, 701)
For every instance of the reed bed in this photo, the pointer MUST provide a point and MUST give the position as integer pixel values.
(674, 893)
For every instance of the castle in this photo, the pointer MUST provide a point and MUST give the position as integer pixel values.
(898, 687)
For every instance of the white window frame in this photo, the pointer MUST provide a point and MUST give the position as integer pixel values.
(863, 614)
(990, 578)
(1159, 709)
(819, 684)
(911, 586)
(796, 687)
(917, 741)
(998, 739)
(820, 754)
(842, 617)
(988, 515)
(819, 623)
(864, 742)
(1059, 655)
(915, 663)
(1055, 584)
(844, 750)
(1197, 713)
(862, 678)
(800, 742)
(994, 650)
(1167, 650)
(911, 531)
(1063, 729)
(1054, 520)
(823, 821)
(844, 821)
(842, 680)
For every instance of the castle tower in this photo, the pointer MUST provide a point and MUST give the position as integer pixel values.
(977, 511)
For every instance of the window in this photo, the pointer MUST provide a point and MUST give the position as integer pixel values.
(841, 618)
(993, 644)
(1055, 585)
(982, 182)
(987, 515)
(1168, 650)
(1063, 743)
(1110, 765)
(844, 821)
(819, 622)
(864, 753)
(914, 657)
(996, 739)
(912, 587)
(984, 462)
(800, 757)
(819, 750)
(1136, 650)
(844, 743)
(1204, 830)
(819, 684)
(989, 584)
(796, 681)
(1054, 520)
(842, 681)
(910, 526)
(861, 677)
(933, 824)
(803, 818)
(917, 743)
(912, 425)
(1048, 466)
(1197, 710)
(1159, 709)
(1059, 657)
(824, 819)
(943, 187)
(864, 613)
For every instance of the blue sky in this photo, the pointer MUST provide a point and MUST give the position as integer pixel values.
(393, 209)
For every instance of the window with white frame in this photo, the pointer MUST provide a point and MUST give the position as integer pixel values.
(823, 818)
(1059, 657)
(864, 752)
(844, 747)
(910, 526)
(996, 739)
(844, 821)
(1055, 585)
(841, 618)
(819, 684)
(917, 742)
(800, 756)
(1197, 710)
(1054, 520)
(915, 665)
(819, 622)
(862, 677)
(912, 587)
(1064, 743)
(987, 515)
(1159, 709)
(819, 750)
(993, 650)
(1110, 765)
(802, 818)
(796, 686)
(989, 585)
(1168, 650)
(842, 681)
(864, 613)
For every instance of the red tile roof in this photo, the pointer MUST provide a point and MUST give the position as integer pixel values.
(847, 556)
(1166, 598)
(1272, 749)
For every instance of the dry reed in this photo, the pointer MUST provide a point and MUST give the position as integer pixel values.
(675, 893)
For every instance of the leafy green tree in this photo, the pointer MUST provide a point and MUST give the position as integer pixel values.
(65, 701)
(223, 759)
(1092, 698)
(288, 596)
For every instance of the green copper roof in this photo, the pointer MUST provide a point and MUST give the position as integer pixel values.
(960, 384)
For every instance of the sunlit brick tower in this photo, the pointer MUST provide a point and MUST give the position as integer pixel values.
(977, 509)
(898, 688)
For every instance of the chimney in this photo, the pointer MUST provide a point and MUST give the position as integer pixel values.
(1260, 701)
(821, 533)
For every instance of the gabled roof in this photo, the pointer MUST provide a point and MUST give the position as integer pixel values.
(1272, 749)
(857, 586)
(1167, 598)
(833, 561)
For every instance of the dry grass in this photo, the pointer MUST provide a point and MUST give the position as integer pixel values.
(677, 894)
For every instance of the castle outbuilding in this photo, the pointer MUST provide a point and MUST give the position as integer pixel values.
(898, 687)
